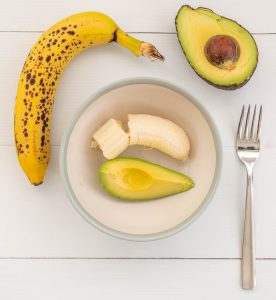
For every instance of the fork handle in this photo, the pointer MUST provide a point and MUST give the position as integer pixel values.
(248, 246)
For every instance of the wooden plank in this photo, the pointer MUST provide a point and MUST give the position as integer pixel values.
(153, 15)
(41, 222)
(98, 67)
(131, 279)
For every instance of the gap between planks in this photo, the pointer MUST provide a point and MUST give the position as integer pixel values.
(129, 32)
(59, 145)
(131, 258)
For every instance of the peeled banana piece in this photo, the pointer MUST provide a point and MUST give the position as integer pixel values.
(158, 133)
(146, 130)
(40, 75)
(111, 139)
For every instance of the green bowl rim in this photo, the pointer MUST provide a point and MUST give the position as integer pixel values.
(117, 233)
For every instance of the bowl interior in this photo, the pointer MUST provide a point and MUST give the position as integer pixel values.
(145, 218)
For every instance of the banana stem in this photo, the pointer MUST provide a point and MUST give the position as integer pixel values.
(137, 47)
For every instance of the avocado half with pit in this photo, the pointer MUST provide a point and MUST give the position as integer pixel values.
(220, 51)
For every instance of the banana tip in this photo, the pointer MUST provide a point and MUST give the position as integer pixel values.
(37, 183)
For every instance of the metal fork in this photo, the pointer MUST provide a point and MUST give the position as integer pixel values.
(248, 148)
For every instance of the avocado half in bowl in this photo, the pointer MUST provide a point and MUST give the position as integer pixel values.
(220, 50)
(85, 170)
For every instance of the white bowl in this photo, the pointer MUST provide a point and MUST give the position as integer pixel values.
(140, 220)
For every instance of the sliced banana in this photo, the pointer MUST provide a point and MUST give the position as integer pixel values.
(111, 139)
(146, 130)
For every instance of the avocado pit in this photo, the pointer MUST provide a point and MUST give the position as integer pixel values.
(222, 51)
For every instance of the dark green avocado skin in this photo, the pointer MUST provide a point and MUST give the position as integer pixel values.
(222, 87)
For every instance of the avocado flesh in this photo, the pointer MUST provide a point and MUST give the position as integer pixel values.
(136, 179)
(195, 27)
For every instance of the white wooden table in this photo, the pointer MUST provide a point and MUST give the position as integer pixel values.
(47, 251)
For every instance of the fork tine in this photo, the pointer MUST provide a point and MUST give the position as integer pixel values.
(253, 124)
(240, 124)
(245, 136)
(259, 124)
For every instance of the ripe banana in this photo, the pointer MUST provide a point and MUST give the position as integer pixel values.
(147, 130)
(111, 138)
(41, 72)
